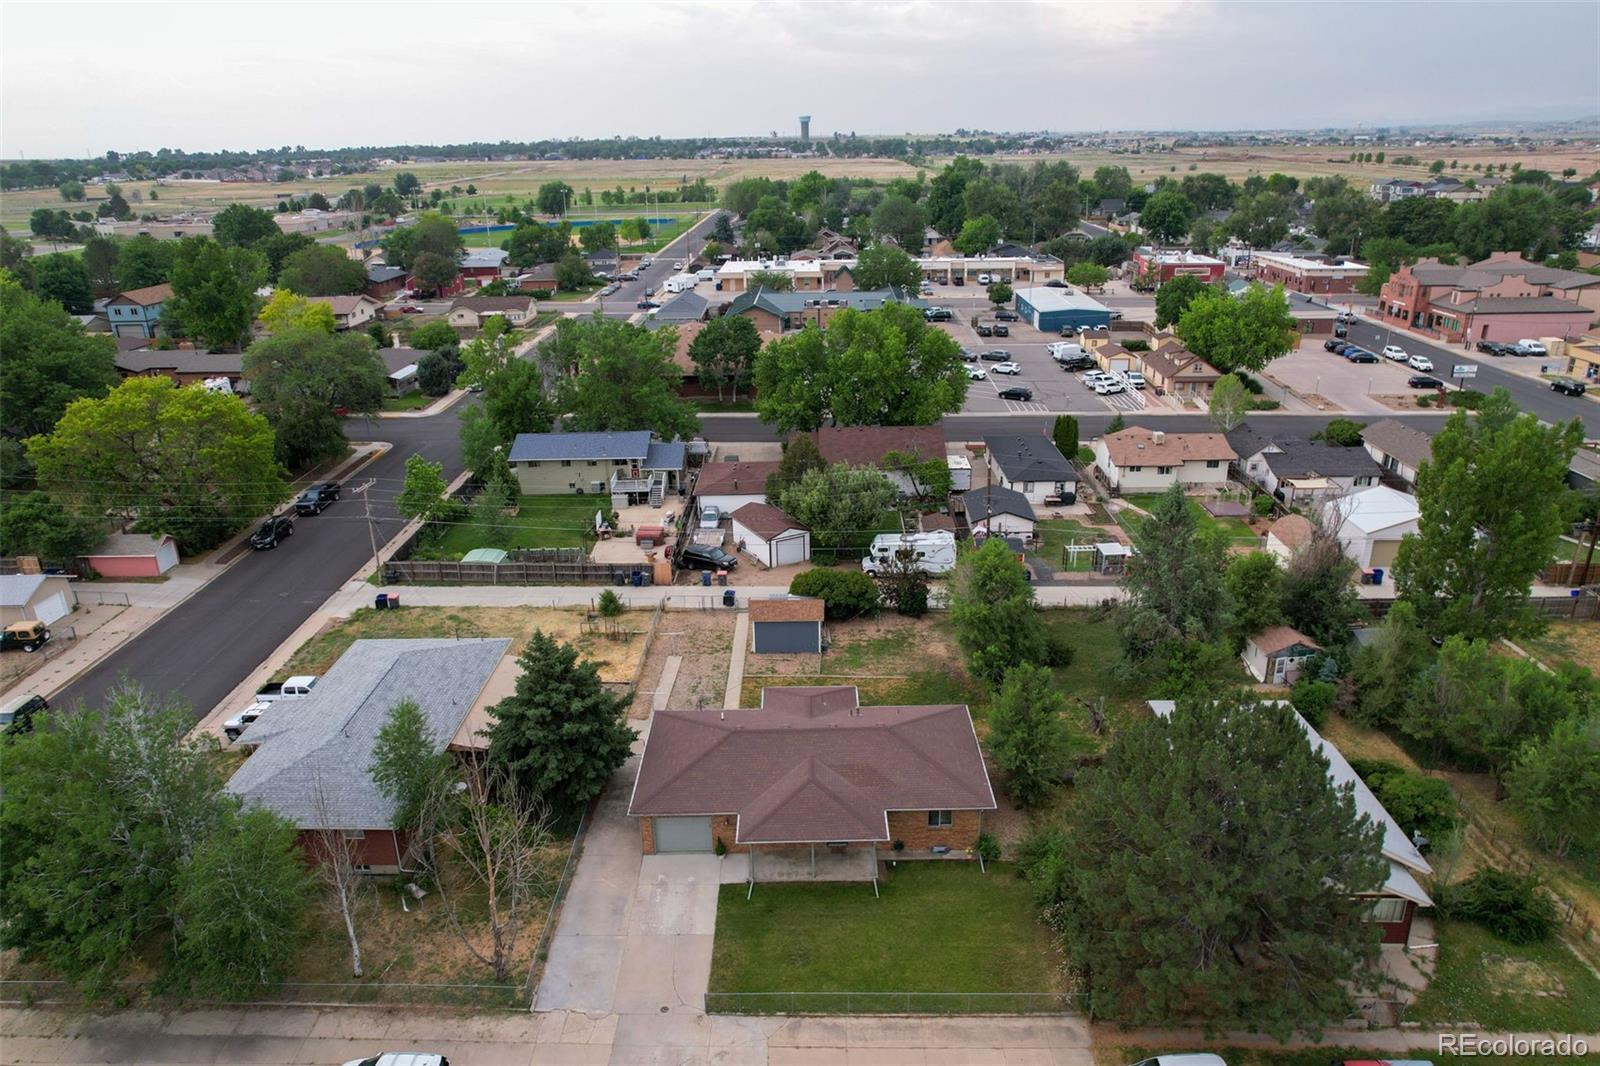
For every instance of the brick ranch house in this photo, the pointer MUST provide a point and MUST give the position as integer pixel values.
(812, 768)
(310, 757)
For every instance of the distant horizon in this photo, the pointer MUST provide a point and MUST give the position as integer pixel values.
(975, 133)
(166, 74)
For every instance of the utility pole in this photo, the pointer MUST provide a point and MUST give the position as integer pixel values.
(364, 490)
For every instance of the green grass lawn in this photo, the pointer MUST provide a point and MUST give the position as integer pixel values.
(540, 522)
(1233, 528)
(1056, 533)
(1095, 647)
(411, 401)
(1507, 987)
(570, 295)
(938, 927)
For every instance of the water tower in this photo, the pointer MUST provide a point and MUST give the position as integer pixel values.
(805, 128)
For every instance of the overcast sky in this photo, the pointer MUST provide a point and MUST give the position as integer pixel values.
(84, 78)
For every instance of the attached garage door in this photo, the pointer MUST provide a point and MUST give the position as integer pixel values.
(49, 610)
(683, 834)
(1383, 553)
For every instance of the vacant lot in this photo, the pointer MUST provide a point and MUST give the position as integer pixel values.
(617, 656)
(540, 522)
(939, 927)
(1576, 642)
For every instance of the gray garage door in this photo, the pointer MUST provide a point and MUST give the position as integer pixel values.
(683, 834)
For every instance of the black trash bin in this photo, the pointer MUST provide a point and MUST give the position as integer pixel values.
(380, 601)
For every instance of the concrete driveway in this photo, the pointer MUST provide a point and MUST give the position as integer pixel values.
(634, 936)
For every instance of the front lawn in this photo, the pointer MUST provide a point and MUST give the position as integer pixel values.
(411, 401)
(1507, 987)
(540, 522)
(938, 927)
(570, 295)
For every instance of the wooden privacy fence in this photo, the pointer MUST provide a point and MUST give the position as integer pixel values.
(1570, 573)
(582, 571)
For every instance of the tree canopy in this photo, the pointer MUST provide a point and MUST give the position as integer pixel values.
(880, 265)
(1478, 546)
(322, 270)
(724, 354)
(1238, 332)
(298, 378)
(881, 367)
(49, 360)
(242, 226)
(842, 505)
(622, 377)
(184, 461)
(992, 608)
(214, 291)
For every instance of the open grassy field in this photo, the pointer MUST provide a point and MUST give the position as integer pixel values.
(522, 178)
(938, 927)
(540, 522)
(617, 659)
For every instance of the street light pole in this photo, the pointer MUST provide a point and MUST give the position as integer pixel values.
(364, 491)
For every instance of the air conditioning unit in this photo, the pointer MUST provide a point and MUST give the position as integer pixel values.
(1158, 437)
(597, 487)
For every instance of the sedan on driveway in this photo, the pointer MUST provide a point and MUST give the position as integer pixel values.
(1006, 368)
(1424, 381)
(1017, 392)
(1420, 362)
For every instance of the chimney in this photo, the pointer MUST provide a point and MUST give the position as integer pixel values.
(1158, 437)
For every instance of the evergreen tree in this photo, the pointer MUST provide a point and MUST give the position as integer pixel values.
(1175, 581)
(992, 608)
(562, 735)
(1212, 875)
(1028, 734)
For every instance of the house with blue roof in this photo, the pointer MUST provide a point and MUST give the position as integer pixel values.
(630, 467)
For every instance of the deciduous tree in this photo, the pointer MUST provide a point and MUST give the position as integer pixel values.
(322, 270)
(48, 362)
(977, 235)
(214, 291)
(1166, 216)
(880, 266)
(1175, 296)
(187, 462)
(1239, 332)
(992, 608)
(553, 197)
(1555, 785)
(1478, 546)
(422, 495)
(241, 226)
(1254, 583)
(287, 311)
(1228, 403)
(62, 279)
(1087, 275)
(143, 261)
(623, 378)
(843, 506)
(724, 354)
(36, 524)
(901, 218)
(299, 377)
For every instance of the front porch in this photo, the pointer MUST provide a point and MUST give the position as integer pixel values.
(803, 862)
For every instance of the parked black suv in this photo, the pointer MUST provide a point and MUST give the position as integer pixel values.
(1079, 362)
(938, 314)
(1006, 316)
(273, 531)
(1334, 346)
(985, 330)
(1016, 392)
(1002, 330)
(1495, 348)
(1569, 387)
(314, 499)
(706, 557)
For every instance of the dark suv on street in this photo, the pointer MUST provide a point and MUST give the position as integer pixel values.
(274, 531)
(314, 499)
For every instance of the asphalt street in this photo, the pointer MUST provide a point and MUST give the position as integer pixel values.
(1531, 394)
(624, 299)
(207, 645)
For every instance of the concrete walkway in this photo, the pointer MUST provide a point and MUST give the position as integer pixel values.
(741, 639)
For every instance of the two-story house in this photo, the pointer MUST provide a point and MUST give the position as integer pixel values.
(137, 312)
(1299, 471)
(628, 467)
(1151, 460)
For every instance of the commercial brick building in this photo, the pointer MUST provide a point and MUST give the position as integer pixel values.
(1302, 274)
(1502, 298)
(1168, 263)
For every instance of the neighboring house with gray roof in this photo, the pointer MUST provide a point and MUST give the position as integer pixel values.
(629, 466)
(784, 312)
(1032, 465)
(1001, 511)
(1397, 448)
(1308, 472)
(311, 757)
(186, 366)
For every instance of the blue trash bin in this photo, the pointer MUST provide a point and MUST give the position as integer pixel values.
(729, 598)
(380, 601)
(1377, 576)
(705, 578)
(638, 578)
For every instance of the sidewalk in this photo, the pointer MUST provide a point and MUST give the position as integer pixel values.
(439, 406)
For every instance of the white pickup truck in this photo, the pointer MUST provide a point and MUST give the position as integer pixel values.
(292, 689)
(234, 727)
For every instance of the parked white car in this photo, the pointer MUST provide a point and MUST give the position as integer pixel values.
(1395, 352)
(1106, 386)
(1089, 377)
(976, 373)
(402, 1058)
(984, 279)
(1007, 368)
(1420, 362)
(1134, 379)
(1532, 347)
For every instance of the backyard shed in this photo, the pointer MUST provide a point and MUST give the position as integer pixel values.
(788, 626)
(770, 536)
(134, 555)
(35, 598)
(1276, 654)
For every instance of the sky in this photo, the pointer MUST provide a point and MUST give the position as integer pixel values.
(78, 79)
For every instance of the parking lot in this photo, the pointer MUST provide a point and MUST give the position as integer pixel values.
(1312, 371)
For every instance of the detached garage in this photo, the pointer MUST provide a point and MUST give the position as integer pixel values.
(134, 555)
(788, 626)
(1050, 309)
(35, 598)
(770, 536)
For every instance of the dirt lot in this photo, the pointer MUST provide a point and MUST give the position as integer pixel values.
(614, 644)
(705, 641)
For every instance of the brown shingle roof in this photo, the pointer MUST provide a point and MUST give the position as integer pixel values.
(1276, 638)
(150, 294)
(727, 479)
(343, 305)
(867, 445)
(764, 520)
(1136, 446)
(800, 609)
(1169, 361)
(490, 304)
(810, 765)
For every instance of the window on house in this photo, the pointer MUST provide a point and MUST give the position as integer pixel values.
(1163, 469)
(594, 462)
(1212, 464)
(1386, 910)
(566, 462)
(353, 834)
(938, 819)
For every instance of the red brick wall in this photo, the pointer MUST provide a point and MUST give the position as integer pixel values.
(378, 848)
